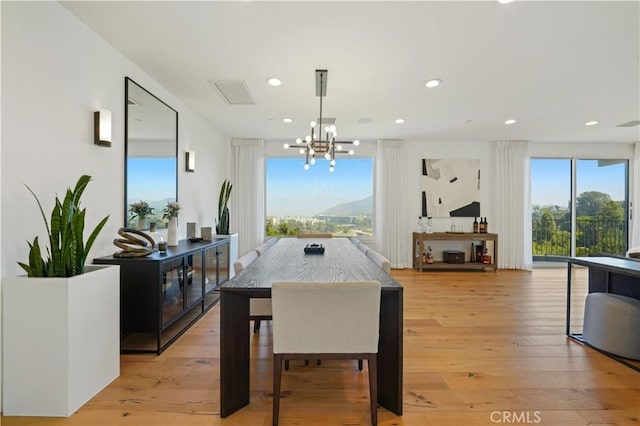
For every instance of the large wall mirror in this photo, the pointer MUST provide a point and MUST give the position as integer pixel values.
(151, 153)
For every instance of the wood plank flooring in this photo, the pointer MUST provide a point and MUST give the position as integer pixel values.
(479, 349)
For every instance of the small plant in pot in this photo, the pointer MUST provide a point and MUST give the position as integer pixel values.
(222, 227)
(68, 252)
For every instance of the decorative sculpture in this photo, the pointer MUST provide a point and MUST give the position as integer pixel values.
(132, 246)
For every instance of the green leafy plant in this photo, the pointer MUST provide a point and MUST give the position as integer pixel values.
(222, 227)
(140, 209)
(68, 252)
(171, 210)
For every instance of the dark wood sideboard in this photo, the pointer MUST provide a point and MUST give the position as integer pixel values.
(162, 295)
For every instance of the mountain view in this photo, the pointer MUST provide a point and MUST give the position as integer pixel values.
(362, 207)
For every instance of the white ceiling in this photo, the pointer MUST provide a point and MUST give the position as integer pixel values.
(552, 66)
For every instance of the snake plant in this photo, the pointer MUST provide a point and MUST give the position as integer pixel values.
(68, 252)
(222, 227)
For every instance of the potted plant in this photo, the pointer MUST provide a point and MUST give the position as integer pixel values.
(140, 210)
(170, 214)
(222, 224)
(61, 321)
(222, 227)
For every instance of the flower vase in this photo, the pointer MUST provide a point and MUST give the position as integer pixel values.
(172, 232)
(142, 223)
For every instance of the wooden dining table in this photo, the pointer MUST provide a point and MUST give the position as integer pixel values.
(287, 261)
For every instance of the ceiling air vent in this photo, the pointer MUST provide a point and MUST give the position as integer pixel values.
(326, 121)
(234, 92)
(629, 124)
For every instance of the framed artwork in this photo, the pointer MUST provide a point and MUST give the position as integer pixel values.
(450, 188)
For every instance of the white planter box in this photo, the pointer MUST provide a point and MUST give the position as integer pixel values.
(233, 251)
(61, 341)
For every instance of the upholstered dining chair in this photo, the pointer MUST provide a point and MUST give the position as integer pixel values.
(262, 248)
(316, 235)
(363, 247)
(325, 320)
(379, 260)
(272, 241)
(259, 309)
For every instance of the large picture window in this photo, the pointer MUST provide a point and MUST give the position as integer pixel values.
(316, 200)
(579, 207)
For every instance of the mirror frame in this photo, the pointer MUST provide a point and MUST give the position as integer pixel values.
(128, 80)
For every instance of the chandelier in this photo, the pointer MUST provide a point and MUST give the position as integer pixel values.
(314, 145)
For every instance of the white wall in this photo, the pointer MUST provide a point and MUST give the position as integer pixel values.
(55, 73)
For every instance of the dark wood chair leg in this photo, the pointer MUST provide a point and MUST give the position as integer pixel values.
(306, 362)
(318, 361)
(277, 380)
(360, 366)
(256, 325)
(286, 364)
(372, 364)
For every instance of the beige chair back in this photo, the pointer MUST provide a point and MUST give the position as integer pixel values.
(380, 260)
(271, 241)
(244, 261)
(262, 248)
(363, 247)
(323, 317)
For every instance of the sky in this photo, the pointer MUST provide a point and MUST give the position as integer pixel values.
(293, 191)
(551, 180)
(151, 179)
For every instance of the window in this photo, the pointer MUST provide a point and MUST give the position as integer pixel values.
(597, 224)
(317, 200)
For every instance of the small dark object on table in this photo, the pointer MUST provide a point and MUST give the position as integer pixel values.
(314, 249)
(195, 239)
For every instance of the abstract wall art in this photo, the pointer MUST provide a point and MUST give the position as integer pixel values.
(450, 188)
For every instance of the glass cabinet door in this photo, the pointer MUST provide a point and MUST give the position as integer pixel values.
(172, 290)
(193, 282)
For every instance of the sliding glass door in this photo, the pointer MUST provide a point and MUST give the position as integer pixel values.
(579, 207)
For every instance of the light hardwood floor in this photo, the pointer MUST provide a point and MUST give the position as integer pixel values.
(479, 349)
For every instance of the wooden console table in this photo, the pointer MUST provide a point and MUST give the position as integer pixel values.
(420, 243)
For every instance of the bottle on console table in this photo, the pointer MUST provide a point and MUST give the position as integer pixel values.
(476, 225)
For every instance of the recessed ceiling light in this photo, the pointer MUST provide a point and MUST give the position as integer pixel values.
(433, 83)
(504, 1)
(287, 120)
(399, 120)
(274, 81)
(365, 120)
(591, 123)
(510, 121)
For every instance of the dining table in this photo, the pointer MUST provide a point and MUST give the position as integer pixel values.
(287, 260)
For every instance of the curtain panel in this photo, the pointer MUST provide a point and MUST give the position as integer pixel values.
(393, 238)
(247, 197)
(512, 209)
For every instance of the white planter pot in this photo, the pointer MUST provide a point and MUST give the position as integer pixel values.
(233, 252)
(61, 341)
(172, 232)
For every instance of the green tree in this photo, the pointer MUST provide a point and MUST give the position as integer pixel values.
(589, 203)
(611, 211)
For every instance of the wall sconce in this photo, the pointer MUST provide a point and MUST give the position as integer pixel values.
(102, 127)
(190, 161)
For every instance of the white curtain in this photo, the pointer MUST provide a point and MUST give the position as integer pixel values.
(635, 199)
(247, 197)
(393, 238)
(511, 189)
